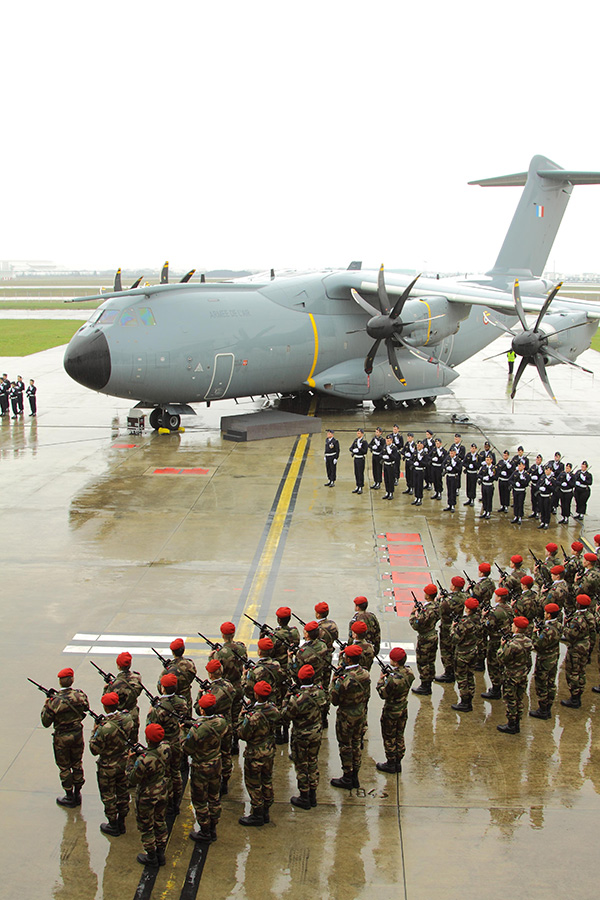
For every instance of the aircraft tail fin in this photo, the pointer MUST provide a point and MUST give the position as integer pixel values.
(536, 221)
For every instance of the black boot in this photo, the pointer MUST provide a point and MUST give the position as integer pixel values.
(494, 693)
(110, 827)
(447, 677)
(121, 823)
(465, 705)
(574, 701)
(202, 836)
(511, 727)
(284, 736)
(542, 712)
(224, 789)
(213, 830)
(344, 782)
(266, 816)
(355, 781)
(148, 859)
(388, 766)
(424, 688)
(596, 689)
(160, 853)
(77, 794)
(303, 801)
(68, 800)
(256, 817)
(324, 719)
(312, 796)
(235, 746)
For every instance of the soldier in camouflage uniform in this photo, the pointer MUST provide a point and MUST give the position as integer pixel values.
(542, 572)
(558, 592)
(359, 633)
(393, 689)
(546, 643)
(451, 607)
(66, 710)
(483, 591)
(224, 694)
(185, 670)
(171, 712)
(303, 707)
(150, 774)
(373, 629)
(515, 656)
(257, 727)
(268, 669)
(203, 744)
(464, 637)
(576, 635)
(498, 621)
(109, 743)
(350, 693)
(128, 685)
(329, 634)
(527, 603)
(423, 621)
(313, 652)
(513, 580)
(574, 566)
(589, 582)
(232, 661)
(282, 636)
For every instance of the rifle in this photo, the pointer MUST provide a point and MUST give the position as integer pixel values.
(271, 631)
(298, 619)
(443, 592)
(564, 553)
(418, 604)
(503, 572)
(247, 662)
(543, 571)
(337, 672)
(108, 676)
(167, 663)
(469, 580)
(385, 667)
(136, 747)
(538, 624)
(49, 692)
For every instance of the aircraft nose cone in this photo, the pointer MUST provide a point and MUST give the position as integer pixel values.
(87, 360)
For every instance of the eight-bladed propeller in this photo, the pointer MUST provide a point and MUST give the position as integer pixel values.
(531, 344)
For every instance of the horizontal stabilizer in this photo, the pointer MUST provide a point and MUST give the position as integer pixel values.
(520, 178)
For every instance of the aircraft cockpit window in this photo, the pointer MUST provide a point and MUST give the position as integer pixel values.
(146, 316)
(109, 316)
(128, 318)
(97, 314)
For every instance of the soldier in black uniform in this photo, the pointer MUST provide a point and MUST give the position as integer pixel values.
(504, 470)
(389, 458)
(583, 484)
(452, 470)
(520, 457)
(429, 444)
(376, 447)
(398, 442)
(359, 449)
(4, 389)
(13, 396)
(487, 451)
(545, 493)
(536, 472)
(486, 478)
(471, 466)
(332, 452)
(31, 392)
(565, 484)
(437, 469)
(419, 471)
(408, 452)
(20, 389)
(518, 484)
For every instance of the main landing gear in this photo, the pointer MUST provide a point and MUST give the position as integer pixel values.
(159, 418)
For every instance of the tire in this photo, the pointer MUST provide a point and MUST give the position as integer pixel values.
(394, 404)
(170, 421)
(379, 404)
(155, 418)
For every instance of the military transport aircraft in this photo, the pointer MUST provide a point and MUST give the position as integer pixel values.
(170, 345)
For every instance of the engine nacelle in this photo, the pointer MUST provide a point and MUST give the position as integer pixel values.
(435, 319)
(569, 343)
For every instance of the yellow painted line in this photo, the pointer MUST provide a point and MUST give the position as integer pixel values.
(187, 821)
(428, 321)
(309, 380)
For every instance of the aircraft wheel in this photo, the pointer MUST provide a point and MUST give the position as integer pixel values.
(394, 404)
(155, 418)
(379, 404)
(429, 400)
(172, 422)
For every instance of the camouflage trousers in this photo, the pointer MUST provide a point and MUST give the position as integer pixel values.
(575, 663)
(305, 756)
(494, 666)
(114, 789)
(68, 755)
(236, 706)
(513, 692)
(349, 730)
(205, 787)
(175, 777)
(226, 763)
(446, 647)
(135, 715)
(426, 654)
(392, 732)
(258, 778)
(150, 813)
(482, 646)
(464, 665)
(592, 639)
(545, 679)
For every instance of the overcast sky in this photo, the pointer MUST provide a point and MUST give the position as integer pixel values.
(282, 134)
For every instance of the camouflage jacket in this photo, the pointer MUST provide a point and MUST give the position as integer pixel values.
(373, 634)
(170, 712)
(351, 690)
(257, 727)
(498, 619)
(464, 636)
(128, 686)
(424, 621)
(303, 707)
(280, 649)
(558, 593)
(185, 670)
(66, 710)
(515, 654)
(268, 670)
(205, 738)
(329, 633)
(513, 582)
(573, 566)
(528, 605)
(232, 665)
(576, 629)
(589, 584)
(149, 771)
(224, 693)
(109, 738)
(366, 658)
(393, 689)
(484, 589)
(546, 641)
(312, 653)
(450, 606)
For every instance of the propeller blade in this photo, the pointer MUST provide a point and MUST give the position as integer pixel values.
(203, 278)
(522, 366)
(384, 300)
(164, 275)
(117, 285)
(422, 321)
(519, 305)
(365, 305)
(402, 299)
(541, 367)
(495, 356)
(136, 283)
(371, 357)
(498, 324)
(549, 351)
(393, 360)
(272, 274)
(420, 355)
(187, 277)
(547, 303)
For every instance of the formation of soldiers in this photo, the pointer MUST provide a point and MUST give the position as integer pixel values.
(11, 395)
(289, 688)
(429, 466)
(499, 625)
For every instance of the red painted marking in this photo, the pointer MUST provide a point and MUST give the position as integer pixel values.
(196, 471)
(411, 578)
(173, 471)
(413, 538)
(403, 595)
(401, 610)
(124, 446)
(407, 550)
(167, 471)
(412, 561)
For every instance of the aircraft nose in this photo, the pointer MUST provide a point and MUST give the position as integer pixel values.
(87, 360)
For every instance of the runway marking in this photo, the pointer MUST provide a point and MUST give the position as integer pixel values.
(173, 471)
(140, 644)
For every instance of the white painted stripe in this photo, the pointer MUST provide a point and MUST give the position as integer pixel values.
(134, 638)
(86, 637)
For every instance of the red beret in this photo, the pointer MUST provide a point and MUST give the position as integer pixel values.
(154, 733)
(284, 612)
(360, 601)
(322, 607)
(213, 665)
(359, 627)
(169, 680)
(110, 699)
(551, 548)
(66, 673)
(457, 581)
(552, 607)
(471, 603)
(206, 701)
(501, 592)
(557, 570)
(398, 654)
(353, 650)
(124, 659)
(306, 672)
(583, 600)
(597, 538)
(265, 643)
(227, 628)
(516, 560)
(590, 557)
(430, 590)
(521, 622)
(577, 546)
(527, 580)
(262, 688)
(177, 644)
(485, 568)
(312, 626)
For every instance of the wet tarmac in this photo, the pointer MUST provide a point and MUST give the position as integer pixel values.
(102, 552)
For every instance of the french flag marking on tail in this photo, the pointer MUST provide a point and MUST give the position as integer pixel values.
(539, 211)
